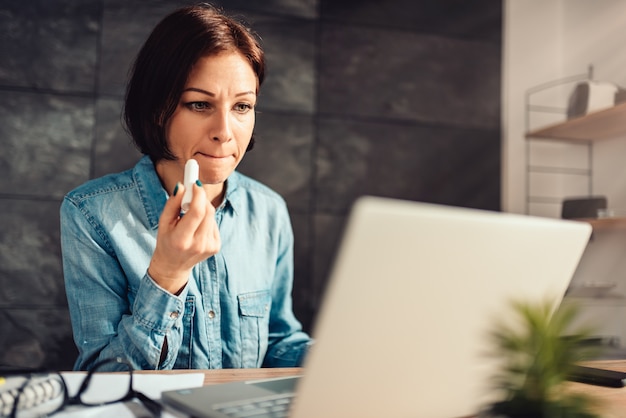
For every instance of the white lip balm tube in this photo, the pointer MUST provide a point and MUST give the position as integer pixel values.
(191, 176)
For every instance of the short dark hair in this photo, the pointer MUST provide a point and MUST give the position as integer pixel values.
(161, 69)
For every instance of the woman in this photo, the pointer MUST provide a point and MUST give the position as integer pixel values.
(212, 288)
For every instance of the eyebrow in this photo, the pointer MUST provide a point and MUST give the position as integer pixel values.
(208, 93)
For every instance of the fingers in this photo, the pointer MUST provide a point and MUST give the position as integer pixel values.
(198, 206)
(184, 240)
(196, 230)
(171, 211)
(207, 232)
(197, 210)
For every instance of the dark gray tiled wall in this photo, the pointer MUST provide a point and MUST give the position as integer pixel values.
(392, 74)
(49, 44)
(45, 138)
(476, 19)
(398, 98)
(387, 159)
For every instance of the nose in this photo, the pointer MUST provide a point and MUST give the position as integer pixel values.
(221, 127)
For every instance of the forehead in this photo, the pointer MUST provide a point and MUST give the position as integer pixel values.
(225, 67)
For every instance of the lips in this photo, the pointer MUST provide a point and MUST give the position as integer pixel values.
(213, 155)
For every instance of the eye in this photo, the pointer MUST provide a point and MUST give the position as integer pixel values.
(197, 106)
(243, 107)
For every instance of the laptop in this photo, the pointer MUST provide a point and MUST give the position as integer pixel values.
(413, 292)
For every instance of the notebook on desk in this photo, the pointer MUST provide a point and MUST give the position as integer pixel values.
(413, 292)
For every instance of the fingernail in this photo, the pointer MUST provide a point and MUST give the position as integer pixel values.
(199, 183)
(175, 189)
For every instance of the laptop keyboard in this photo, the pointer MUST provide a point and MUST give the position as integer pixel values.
(274, 406)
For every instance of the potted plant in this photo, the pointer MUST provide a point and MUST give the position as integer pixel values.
(537, 353)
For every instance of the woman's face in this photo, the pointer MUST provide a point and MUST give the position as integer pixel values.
(214, 119)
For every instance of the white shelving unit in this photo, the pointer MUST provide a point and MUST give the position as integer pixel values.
(584, 130)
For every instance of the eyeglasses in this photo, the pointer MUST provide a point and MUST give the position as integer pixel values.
(43, 394)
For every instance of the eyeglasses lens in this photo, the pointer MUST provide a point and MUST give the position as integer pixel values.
(105, 387)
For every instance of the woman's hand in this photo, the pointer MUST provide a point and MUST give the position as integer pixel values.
(183, 241)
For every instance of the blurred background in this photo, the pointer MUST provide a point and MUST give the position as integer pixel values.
(400, 98)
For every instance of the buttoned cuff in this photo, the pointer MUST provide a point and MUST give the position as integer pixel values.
(157, 309)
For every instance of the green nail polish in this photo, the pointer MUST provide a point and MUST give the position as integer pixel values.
(175, 190)
(199, 183)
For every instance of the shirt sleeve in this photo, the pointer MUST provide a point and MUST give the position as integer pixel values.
(288, 343)
(105, 323)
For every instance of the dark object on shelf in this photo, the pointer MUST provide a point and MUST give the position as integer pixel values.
(587, 207)
(620, 96)
(599, 377)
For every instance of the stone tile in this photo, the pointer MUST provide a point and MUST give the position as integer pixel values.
(328, 230)
(49, 44)
(302, 290)
(32, 337)
(443, 165)
(30, 254)
(46, 142)
(477, 19)
(114, 149)
(281, 157)
(290, 51)
(293, 8)
(378, 73)
(126, 26)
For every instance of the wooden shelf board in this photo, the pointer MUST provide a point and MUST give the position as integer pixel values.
(613, 222)
(603, 124)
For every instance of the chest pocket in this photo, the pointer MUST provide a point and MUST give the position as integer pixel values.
(254, 311)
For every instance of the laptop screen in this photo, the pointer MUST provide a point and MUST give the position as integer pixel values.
(413, 292)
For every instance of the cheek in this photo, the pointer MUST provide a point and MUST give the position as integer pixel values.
(244, 134)
(177, 130)
(245, 122)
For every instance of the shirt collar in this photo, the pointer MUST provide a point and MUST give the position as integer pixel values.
(232, 197)
(151, 191)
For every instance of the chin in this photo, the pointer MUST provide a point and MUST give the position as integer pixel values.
(215, 179)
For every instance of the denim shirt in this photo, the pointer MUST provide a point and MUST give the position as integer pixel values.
(235, 311)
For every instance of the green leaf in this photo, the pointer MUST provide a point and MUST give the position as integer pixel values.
(537, 352)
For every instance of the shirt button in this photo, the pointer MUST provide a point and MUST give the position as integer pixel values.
(211, 314)
(174, 315)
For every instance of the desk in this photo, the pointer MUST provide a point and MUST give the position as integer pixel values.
(212, 377)
(613, 400)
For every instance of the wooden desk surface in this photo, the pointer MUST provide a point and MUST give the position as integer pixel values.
(612, 400)
(212, 377)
